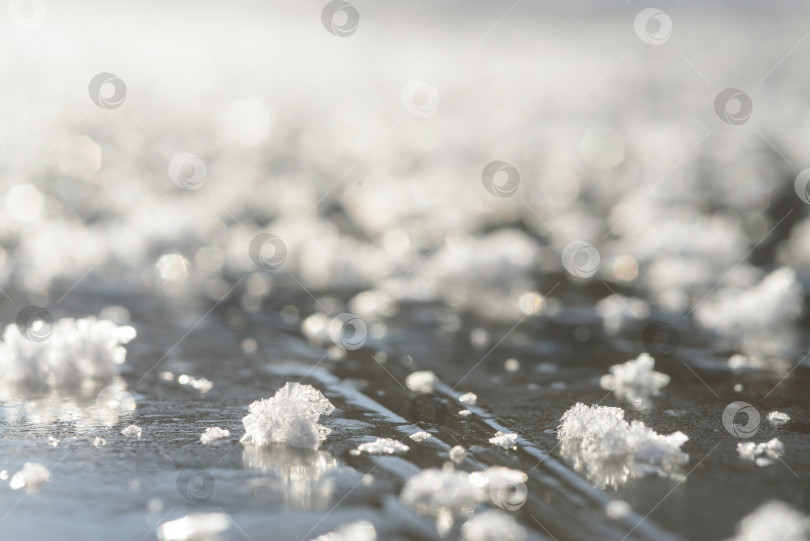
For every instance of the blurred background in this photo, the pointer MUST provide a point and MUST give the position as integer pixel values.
(563, 186)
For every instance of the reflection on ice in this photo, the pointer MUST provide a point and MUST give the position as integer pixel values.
(300, 476)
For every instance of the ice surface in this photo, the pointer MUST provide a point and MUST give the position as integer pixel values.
(468, 398)
(773, 303)
(492, 525)
(356, 531)
(777, 418)
(504, 439)
(383, 446)
(420, 436)
(213, 435)
(194, 527)
(30, 477)
(774, 521)
(635, 381)
(763, 454)
(609, 450)
(421, 382)
(78, 354)
(289, 417)
(132, 431)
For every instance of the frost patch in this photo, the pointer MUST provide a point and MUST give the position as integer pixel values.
(597, 441)
(289, 417)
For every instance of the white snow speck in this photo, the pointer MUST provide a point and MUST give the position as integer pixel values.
(132, 431)
(464, 413)
(31, 476)
(356, 531)
(192, 527)
(458, 454)
(636, 380)
(99, 441)
(213, 434)
(774, 521)
(468, 398)
(201, 384)
(777, 418)
(383, 446)
(505, 440)
(420, 436)
(617, 509)
(289, 417)
(493, 525)
(762, 454)
(609, 450)
(421, 382)
(432, 490)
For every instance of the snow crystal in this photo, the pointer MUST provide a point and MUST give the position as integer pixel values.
(132, 431)
(383, 446)
(200, 526)
(31, 476)
(635, 381)
(421, 382)
(609, 450)
(213, 434)
(505, 440)
(763, 454)
(777, 418)
(774, 521)
(356, 531)
(289, 417)
(493, 525)
(77, 354)
(201, 384)
(773, 303)
(458, 454)
(464, 413)
(99, 441)
(3, 475)
(420, 436)
(433, 490)
(468, 398)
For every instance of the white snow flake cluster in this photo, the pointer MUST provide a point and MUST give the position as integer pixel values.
(289, 417)
(609, 450)
(78, 354)
(636, 380)
(762, 454)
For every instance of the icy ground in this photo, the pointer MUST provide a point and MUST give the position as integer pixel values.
(327, 276)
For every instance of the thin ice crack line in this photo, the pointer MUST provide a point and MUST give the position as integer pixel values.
(701, 380)
(362, 159)
(662, 179)
(726, 275)
(782, 380)
(504, 337)
(577, 104)
(483, 38)
(193, 327)
(679, 483)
